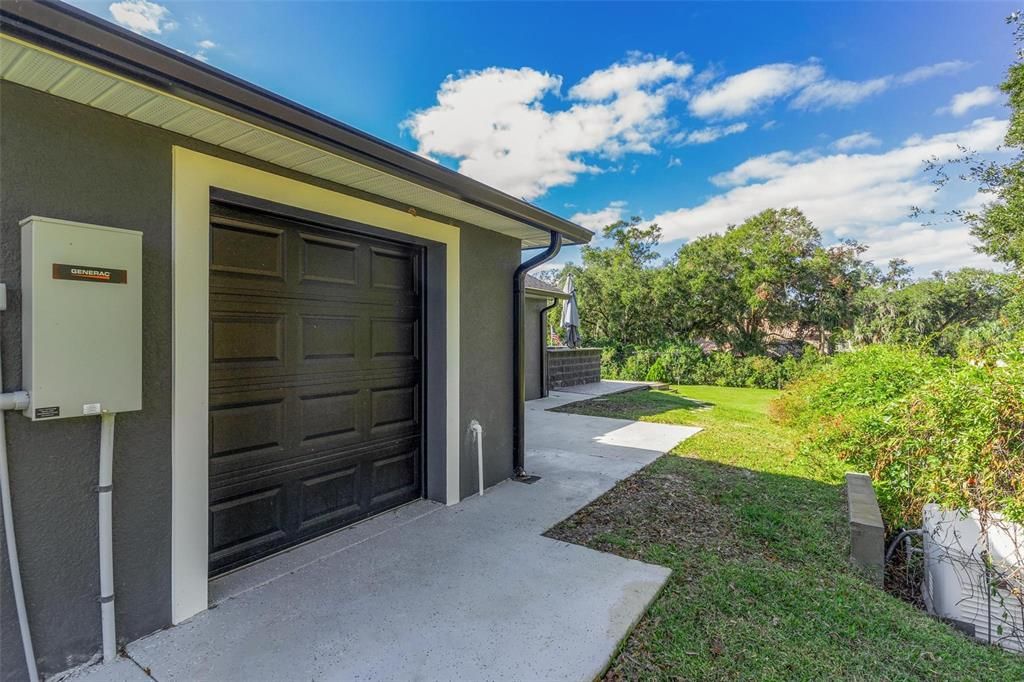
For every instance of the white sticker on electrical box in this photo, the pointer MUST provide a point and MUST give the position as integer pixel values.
(91, 408)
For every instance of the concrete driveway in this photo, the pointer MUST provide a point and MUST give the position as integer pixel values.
(427, 592)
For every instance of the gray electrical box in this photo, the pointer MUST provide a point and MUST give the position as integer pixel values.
(81, 318)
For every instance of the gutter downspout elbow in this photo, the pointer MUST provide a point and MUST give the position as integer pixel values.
(519, 355)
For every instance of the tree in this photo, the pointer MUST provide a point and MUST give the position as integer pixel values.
(1000, 225)
(932, 312)
(614, 286)
(768, 279)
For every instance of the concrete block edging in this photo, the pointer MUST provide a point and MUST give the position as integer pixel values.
(867, 530)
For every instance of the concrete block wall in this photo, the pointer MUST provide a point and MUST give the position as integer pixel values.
(573, 366)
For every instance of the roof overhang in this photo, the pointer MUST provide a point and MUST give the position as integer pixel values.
(532, 292)
(66, 52)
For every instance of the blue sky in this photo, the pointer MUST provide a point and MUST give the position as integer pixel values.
(693, 115)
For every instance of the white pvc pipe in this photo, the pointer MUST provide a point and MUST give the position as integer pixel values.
(478, 436)
(9, 401)
(12, 556)
(106, 532)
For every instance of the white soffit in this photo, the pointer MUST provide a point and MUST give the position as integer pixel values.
(37, 68)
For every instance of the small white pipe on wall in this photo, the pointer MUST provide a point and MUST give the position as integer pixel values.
(106, 531)
(478, 436)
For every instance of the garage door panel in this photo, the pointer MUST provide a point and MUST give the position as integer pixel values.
(392, 269)
(329, 338)
(311, 380)
(247, 428)
(330, 498)
(269, 337)
(313, 294)
(394, 410)
(249, 250)
(326, 261)
(315, 383)
(332, 419)
(246, 522)
(255, 518)
(247, 338)
(394, 339)
(232, 477)
(394, 478)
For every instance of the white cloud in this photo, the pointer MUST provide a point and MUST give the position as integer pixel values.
(845, 194)
(770, 125)
(838, 93)
(674, 162)
(766, 166)
(597, 220)
(978, 202)
(931, 71)
(746, 91)
(622, 79)
(143, 16)
(924, 247)
(965, 101)
(202, 48)
(739, 94)
(497, 125)
(705, 135)
(856, 141)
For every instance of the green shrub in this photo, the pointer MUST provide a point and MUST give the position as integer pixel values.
(638, 365)
(926, 429)
(677, 364)
(611, 362)
(763, 372)
(686, 363)
(864, 378)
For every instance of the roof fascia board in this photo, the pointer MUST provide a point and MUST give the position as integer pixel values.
(545, 294)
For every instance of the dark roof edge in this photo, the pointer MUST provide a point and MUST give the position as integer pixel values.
(88, 38)
(537, 287)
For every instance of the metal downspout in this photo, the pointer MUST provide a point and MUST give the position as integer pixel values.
(519, 355)
(544, 347)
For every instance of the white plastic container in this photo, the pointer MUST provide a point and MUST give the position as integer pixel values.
(957, 586)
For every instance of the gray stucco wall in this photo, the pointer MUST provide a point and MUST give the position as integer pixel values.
(535, 345)
(64, 160)
(486, 369)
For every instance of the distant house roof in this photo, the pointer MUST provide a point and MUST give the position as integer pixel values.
(538, 288)
(67, 52)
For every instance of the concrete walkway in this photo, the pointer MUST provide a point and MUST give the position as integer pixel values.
(608, 387)
(427, 592)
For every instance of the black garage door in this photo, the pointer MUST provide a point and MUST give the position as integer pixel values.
(315, 375)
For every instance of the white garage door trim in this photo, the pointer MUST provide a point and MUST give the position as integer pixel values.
(193, 176)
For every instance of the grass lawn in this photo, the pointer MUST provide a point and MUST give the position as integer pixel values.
(757, 544)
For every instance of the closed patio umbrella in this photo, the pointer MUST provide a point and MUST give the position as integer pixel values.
(571, 316)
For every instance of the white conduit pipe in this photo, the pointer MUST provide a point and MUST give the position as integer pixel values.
(478, 436)
(105, 493)
(12, 552)
(14, 401)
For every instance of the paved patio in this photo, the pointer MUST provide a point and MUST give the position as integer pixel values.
(428, 592)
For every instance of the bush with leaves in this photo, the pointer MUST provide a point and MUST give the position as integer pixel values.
(926, 429)
(686, 363)
(862, 379)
